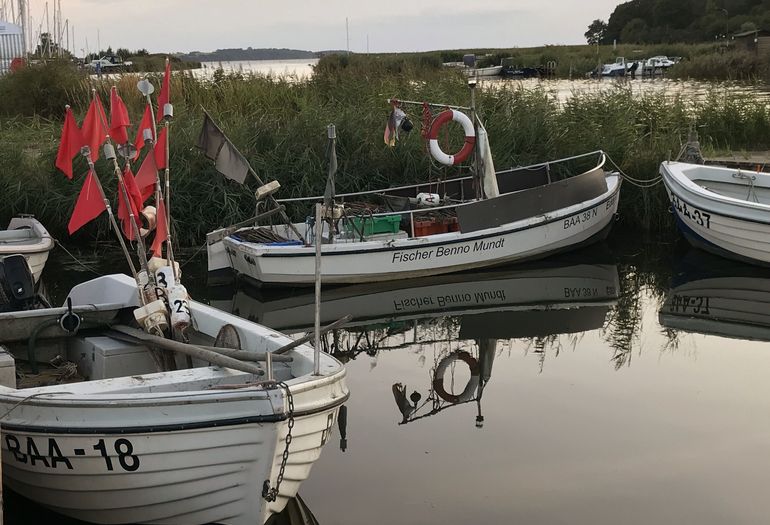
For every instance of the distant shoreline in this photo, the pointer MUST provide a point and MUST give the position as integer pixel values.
(239, 54)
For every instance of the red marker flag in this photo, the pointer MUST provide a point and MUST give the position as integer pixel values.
(89, 206)
(119, 119)
(135, 198)
(93, 130)
(146, 123)
(160, 150)
(147, 176)
(164, 97)
(161, 230)
(69, 145)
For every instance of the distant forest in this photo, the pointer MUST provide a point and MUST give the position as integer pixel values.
(660, 21)
(249, 53)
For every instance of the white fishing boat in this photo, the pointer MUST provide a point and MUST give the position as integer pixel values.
(485, 219)
(722, 210)
(26, 236)
(137, 404)
(534, 215)
(110, 439)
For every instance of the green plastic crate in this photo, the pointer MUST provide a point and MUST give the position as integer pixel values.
(374, 225)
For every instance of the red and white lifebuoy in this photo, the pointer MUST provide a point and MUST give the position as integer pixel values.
(470, 137)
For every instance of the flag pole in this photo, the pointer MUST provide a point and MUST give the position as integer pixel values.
(151, 136)
(109, 153)
(86, 152)
(270, 197)
(168, 114)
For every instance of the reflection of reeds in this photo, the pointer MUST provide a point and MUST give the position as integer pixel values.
(279, 124)
(643, 270)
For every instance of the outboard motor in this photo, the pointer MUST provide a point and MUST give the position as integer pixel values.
(17, 286)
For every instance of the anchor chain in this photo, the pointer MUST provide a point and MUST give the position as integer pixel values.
(271, 494)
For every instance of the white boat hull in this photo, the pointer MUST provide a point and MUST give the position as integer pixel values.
(185, 447)
(719, 222)
(368, 261)
(27, 237)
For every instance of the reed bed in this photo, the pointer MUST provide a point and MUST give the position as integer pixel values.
(280, 125)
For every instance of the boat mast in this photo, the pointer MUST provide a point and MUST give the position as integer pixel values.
(476, 157)
(23, 18)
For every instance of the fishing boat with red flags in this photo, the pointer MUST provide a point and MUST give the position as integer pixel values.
(132, 402)
(482, 219)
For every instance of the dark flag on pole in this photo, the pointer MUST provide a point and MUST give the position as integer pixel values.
(217, 147)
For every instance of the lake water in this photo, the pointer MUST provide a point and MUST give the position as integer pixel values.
(300, 68)
(561, 89)
(627, 383)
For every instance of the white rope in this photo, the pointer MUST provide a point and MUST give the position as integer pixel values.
(14, 407)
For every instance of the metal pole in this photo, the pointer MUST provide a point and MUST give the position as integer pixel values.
(109, 153)
(86, 152)
(318, 239)
(168, 113)
(431, 104)
(477, 157)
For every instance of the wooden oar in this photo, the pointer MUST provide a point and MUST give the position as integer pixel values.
(191, 350)
(242, 355)
(302, 340)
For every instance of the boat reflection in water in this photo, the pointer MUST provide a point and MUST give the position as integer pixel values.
(18, 510)
(718, 297)
(457, 318)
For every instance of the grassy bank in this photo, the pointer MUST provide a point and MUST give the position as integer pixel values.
(280, 126)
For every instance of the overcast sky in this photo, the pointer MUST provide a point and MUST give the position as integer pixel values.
(391, 25)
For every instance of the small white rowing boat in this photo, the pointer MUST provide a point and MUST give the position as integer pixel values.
(26, 236)
(725, 211)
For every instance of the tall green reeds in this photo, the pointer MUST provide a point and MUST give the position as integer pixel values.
(279, 124)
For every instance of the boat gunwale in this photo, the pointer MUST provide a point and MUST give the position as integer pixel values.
(384, 191)
(261, 249)
(688, 185)
(172, 427)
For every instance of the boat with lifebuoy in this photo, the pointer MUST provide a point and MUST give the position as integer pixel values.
(481, 220)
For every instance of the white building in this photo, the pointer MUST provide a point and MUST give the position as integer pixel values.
(11, 45)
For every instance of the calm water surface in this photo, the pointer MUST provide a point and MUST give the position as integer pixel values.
(624, 384)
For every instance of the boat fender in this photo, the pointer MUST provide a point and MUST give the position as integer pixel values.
(164, 277)
(156, 263)
(470, 137)
(148, 218)
(473, 382)
(152, 317)
(178, 303)
(428, 199)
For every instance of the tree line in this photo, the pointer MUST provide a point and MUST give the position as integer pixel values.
(661, 21)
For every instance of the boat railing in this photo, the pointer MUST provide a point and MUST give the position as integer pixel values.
(385, 191)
